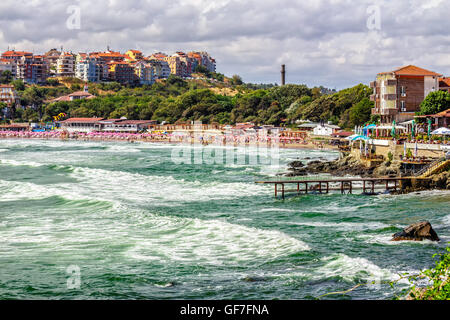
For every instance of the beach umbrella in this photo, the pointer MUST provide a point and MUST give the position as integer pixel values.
(413, 131)
(404, 149)
(393, 129)
(441, 131)
(416, 150)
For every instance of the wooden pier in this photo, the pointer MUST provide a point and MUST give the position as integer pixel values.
(345, 185)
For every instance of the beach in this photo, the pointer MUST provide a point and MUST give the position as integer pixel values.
(159, 138)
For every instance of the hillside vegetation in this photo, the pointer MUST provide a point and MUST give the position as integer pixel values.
(208, 100)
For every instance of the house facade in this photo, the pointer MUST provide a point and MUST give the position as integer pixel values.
(398, 94)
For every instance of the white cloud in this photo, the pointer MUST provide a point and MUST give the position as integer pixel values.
(324, 42)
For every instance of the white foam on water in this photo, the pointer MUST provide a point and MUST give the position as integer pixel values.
(446, 220)
(16, 163)
(385, 239)
(213, 242)
(142, 188)
(343, 226)
(352, 269)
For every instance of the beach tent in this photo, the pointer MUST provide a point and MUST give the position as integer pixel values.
(359, 137)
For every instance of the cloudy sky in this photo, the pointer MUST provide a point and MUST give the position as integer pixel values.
(335, 43)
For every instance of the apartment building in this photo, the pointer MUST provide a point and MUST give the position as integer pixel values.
(65, 65)
(144, 73)
(87, 68)
(121, 72)
(8, 96)
(399, 93)
(134, 55)
(51, 57)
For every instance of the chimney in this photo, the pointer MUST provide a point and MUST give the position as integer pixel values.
(283, 74)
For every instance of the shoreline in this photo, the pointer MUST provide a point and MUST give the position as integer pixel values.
(288, 146)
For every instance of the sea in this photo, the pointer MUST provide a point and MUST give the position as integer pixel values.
(120, 220)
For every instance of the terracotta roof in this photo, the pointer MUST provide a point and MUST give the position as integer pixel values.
(445, 113)
(16, 53)
(444, 82)
(342, 134)
(412, 71)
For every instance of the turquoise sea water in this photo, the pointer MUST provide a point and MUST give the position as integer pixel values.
(139, 226)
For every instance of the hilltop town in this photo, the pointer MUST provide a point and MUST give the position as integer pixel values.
(131, 67)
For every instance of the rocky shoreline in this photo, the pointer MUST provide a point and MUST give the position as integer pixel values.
(350, 166)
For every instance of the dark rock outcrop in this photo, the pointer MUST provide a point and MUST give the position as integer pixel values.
(340, 167)
(417, 232)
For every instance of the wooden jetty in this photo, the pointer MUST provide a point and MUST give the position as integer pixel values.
(345, 185)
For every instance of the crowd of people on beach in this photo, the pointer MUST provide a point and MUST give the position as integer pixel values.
(191, 138)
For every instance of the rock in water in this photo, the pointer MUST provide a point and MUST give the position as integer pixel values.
(417, 232)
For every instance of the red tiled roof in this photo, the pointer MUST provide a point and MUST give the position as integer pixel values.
(444, 82)
(413, 71)
(342, 134)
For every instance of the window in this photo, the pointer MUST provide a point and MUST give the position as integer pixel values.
(403, 91)
(403, 106)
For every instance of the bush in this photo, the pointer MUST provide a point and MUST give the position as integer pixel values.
(438, 277)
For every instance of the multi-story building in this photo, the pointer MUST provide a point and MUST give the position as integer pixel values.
(14, 57)
(8, 96)
(87, 68)
(51, 57)
(161, 68)
(7, 65)
(189, 63)
(399, 93)
(65, 65)
(134, 55)
(144, 73)
(121, 72)
(31, 69)
(177, 67)
(39, 70)
(204, 59)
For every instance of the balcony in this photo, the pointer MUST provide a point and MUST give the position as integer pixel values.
(388, 111)
(391, 82)
(390, 97)
(374, 97)
(373, 84)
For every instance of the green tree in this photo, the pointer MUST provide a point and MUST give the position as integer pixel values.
(360, 112)
(435, 102)
(6, 77)
(34, 97)
(18, 85)
(236, 80)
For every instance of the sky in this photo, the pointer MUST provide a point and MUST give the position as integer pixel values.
(334, 43)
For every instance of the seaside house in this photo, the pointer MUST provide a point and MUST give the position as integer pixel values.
(325, 130)
(81, 124)
(125, 125)
(74, 96)
(398, 94)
